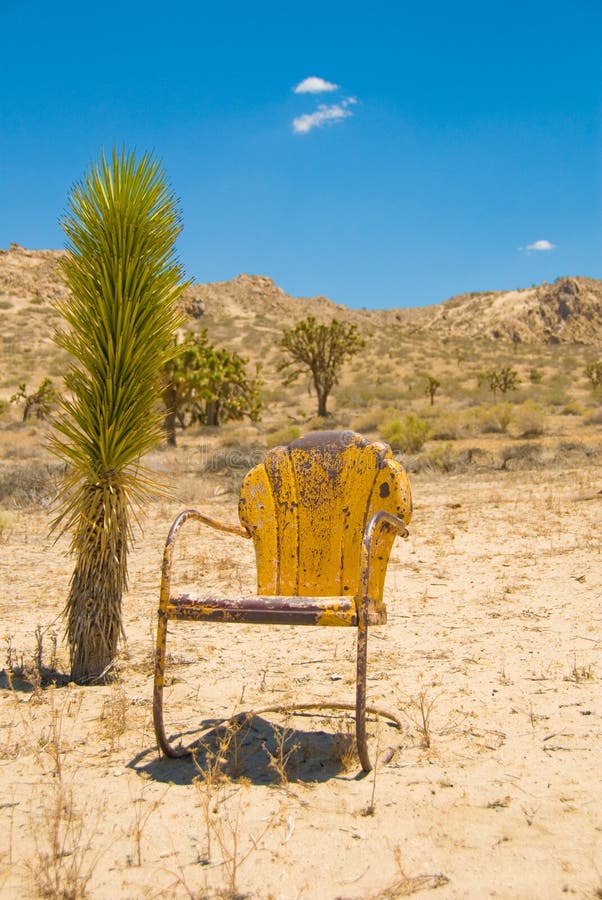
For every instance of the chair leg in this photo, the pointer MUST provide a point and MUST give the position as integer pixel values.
(360, 702)
(167, 748)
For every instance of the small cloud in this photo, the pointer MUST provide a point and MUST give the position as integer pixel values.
(324, 115)
(314, 85)
(541, 245)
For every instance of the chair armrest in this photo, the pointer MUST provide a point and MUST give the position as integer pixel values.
(379, 521)
(176, 525)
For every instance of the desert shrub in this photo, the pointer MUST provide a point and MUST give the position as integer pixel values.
(535, 375)
(458, 387)
(334, 421)
(449, 427)
(21, 449)
(595, 419)
(407, 435)
(275, 395)
(529, 420)
(521, 456)
(361, 395)
(559, 380)
(493, 419)
(31, 484)
(556, 396)
(572, 408)
(368, 421)
(233, 437)
(283, 436)
(565, 447)
(234, 456)
(443, 458)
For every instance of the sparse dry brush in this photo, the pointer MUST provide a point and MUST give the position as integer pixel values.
(495, 612)
(63, 831)
(535, 382)
(63, 861)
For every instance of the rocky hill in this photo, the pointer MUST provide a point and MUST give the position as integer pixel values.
(567, 311)
(30, 273)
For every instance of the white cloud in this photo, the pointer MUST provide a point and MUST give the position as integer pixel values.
(541, 245)
(314, 85)
(323, 115)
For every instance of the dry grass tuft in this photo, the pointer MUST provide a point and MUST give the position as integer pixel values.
(419, 711)
(113, 715)
(63, 861)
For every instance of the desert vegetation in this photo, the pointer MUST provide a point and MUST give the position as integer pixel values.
(321, 351)
(491, 654)
(207, 385)
(120, 322)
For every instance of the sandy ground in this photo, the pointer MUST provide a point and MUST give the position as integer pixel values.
(492, 656)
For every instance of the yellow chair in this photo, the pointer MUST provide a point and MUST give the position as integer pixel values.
(323, 513)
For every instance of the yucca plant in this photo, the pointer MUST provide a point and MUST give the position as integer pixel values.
(121, 317)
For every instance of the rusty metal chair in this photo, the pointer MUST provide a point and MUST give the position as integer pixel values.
(323, 513)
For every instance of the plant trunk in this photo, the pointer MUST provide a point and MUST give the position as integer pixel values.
(212, 412)
(169, 422)
(322, 398)
(93, 609)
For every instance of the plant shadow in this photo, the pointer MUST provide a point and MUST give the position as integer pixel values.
(262, 752)
(27, 681)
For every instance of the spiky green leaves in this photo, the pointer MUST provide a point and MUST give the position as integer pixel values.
(120, 322)
(121, 225)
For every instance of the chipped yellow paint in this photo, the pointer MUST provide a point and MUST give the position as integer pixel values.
(198, 608)
(337, 616)
(257, 513)
(392, 481)
(288, 524)
(306, 508)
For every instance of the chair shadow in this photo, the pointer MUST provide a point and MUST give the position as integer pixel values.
(249, 746)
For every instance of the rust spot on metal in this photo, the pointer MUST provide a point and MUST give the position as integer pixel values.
(332, 441)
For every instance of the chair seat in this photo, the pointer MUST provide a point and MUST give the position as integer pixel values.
(267, 610)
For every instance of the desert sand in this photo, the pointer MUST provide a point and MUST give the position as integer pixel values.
(491, 656)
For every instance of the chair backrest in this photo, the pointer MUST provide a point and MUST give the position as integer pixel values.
(307, 505)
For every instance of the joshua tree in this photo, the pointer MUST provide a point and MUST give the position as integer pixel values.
(593, 371)
(322, 349)
(432, 386)
(503, 380)
(40, 403)
(203, 383)
(121, 224)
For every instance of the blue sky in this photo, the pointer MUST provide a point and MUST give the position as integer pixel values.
(440, 147)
